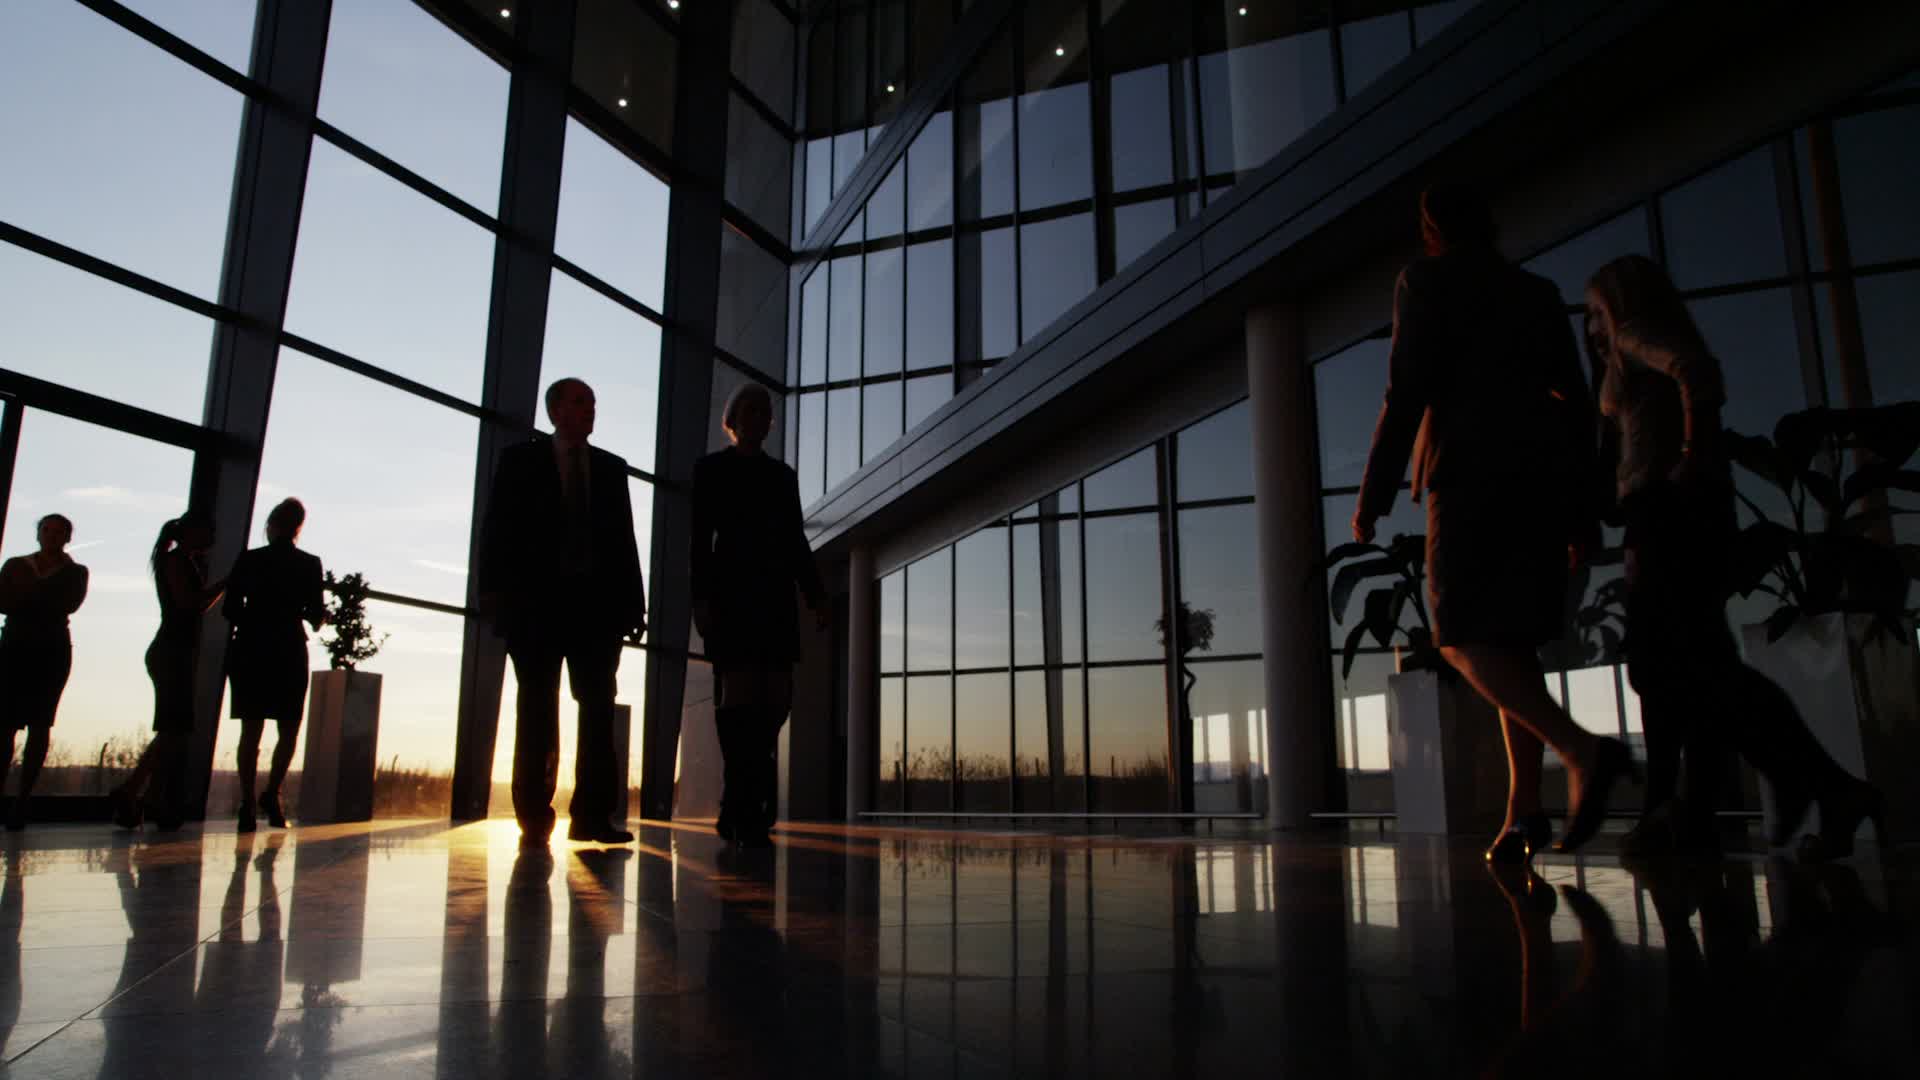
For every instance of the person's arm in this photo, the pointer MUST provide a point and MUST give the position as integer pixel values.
(235, 607)
(1411, 368)
(1571, 384)
(806, 573)
(72, 590)
(316, 590)
(494, 539)
(636, 579)
(1694, 371)
(185, 591)
(14, 588)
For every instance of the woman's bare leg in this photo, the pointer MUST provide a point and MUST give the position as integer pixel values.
(1524, 754)
(1515, 683)
(284, 744)
(249, 762)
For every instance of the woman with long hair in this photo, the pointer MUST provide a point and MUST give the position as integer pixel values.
(272, 591)
(1484, 375)
(179, 566)
(749, 551)
(1661, 391)
(37, 594)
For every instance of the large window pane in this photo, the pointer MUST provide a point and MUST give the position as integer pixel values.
(893, 621)
(843, 320)
(1126, 483)
(1890, 326)
(1265, 77)
(1123, 587)
(929, 329)
(929, 742)
(1032, 742)
(1753, 336)
(813, 328)
(843, 434)
(886, 207)
(885, 313)
(1057, 269)
(985, 117)
(103, 129)
(930, 174)
(1142, 126)
(419, 669)
(889, 793)
(1056, 146)
(1219, 574)
(624, 60)
(618, 354)
(1046, 592)
(1348, 389)
(819, 181)
(387, 478)
(1724, 226)
(999, 322)
(388, 276)
(406, 84)
(1128, 708)
(930, 612)
(1570, 264)
(984, 733)
(1216, 456)
(925, 395)
(613, 217)
(117, 489)
(1228, 702)
(1137, 227)
(981, 626)
(880, 418)
(223, 29)
(812, 465)
(1879, 172)
(69, 327)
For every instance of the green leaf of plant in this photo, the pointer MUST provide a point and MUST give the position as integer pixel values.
(1379, 616)
(1780, 622)
(1350, 577)
(1351, 650)
(1824, 490)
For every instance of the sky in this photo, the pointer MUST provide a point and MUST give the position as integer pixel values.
(131, 160)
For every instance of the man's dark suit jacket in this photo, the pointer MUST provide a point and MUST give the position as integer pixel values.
(524, 539)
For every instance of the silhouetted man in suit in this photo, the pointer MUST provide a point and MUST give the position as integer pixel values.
(560, 574)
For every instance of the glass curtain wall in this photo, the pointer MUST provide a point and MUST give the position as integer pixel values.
(1080, 137)
(1800, 265)
(1029, 668)
(114, 233)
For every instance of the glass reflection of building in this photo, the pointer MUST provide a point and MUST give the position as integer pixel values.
(993, 257)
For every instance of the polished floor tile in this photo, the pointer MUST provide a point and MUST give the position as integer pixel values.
(418, 949)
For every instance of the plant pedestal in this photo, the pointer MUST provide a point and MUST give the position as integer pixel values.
(696, 791)
(1449, 763)
(1859, 692)
(343, 733)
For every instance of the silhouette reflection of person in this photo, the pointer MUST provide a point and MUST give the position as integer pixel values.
(179, 565)
(13, 910)
(580, 1044)
(560, 577)
(160, 895)
(1661, 390)
(240, 979)
(749, 552)
(1485, 394)
(271, 592)
(37, 594)
(1560, 1027)
(520, 1027)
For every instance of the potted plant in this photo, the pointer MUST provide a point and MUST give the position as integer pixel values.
(1840, 641)
(1443, 739)
(343, 711)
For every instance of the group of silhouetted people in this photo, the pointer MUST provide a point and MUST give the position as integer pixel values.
(1518, 470)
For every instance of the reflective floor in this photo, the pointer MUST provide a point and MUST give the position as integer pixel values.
(403, 950)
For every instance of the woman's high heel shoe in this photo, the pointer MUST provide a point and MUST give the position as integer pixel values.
(270, 809)
(126, 810)
(1840, 817)
(1611, 761)
(1522, 841)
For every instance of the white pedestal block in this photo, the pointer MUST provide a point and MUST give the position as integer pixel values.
(697, 789)
(1859, 692)
(1449, 762)
(342, 736)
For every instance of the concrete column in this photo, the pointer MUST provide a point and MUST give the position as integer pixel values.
(863, 660)
(1287, 491)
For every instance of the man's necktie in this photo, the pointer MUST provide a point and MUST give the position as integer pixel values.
(578, 517)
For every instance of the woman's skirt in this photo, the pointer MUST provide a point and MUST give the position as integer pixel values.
(1496, 566)
(268, 677)
(33, 675)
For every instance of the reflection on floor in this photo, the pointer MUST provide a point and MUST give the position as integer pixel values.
(401, 950)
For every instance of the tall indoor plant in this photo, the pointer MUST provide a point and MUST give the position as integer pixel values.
(343, 711)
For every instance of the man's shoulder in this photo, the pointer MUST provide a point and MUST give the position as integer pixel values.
(607, 457)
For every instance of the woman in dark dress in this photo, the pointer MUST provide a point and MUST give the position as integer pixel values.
(749, 551)
(179, 564)
(1661, 391)
(1485, 375)
(271, 592)
(37, 594)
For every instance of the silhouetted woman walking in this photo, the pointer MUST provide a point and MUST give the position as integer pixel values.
(271, 592)
(37, 594)
(179, 565)
(1485, 374)
(1661, 391)
(749, 551)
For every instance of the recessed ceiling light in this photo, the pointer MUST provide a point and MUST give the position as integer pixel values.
(1243, 11)
(506, 13)
(622, 103)
(1059, 50)
(889, 88)
(674, 4)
